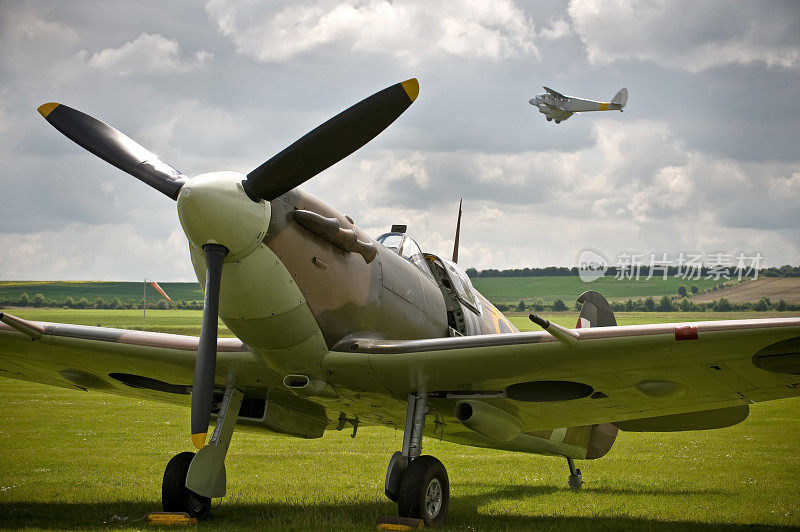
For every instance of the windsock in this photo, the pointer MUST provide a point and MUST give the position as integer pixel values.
(159, 290)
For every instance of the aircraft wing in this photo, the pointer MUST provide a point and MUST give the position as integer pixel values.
(555, 93)
(147, 365)
(611, 374)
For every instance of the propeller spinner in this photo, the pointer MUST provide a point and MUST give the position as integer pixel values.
(221, 213)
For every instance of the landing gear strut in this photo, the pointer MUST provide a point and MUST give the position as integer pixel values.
(575, 480)
(191, 480)
(418, 484)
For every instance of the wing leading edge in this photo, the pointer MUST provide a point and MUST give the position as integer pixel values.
(121, 361)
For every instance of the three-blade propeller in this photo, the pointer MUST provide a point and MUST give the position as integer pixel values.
(314, 152)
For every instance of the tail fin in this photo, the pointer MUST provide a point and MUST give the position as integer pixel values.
(620, 98)
(596, 312)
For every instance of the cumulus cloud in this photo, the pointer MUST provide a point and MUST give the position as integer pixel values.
(409, 31)
(556, 29)
(147, 54)
(80, 251)
(687, 35)
(717, 172)
(637, 184)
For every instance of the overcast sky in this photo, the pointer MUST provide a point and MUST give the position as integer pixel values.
(704, 159)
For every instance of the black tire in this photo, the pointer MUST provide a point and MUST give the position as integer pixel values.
(175, 496)
(422, 480)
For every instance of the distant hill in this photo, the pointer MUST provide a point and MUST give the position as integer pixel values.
(774, 288)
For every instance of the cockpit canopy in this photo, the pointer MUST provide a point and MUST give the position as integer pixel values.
(458, 281)
(405, 246)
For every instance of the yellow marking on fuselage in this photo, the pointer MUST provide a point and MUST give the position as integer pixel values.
(47, 108)
(496, 322)
(498, 316)
(604, 107)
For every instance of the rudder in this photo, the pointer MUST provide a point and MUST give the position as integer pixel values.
(620, 98)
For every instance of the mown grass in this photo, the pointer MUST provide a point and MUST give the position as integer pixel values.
(570, 317)
(78, 460)
(169, 321)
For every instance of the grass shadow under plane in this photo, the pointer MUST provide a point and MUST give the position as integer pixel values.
(348, 514)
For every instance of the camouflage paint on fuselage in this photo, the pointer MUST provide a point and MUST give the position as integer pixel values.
(391, 298)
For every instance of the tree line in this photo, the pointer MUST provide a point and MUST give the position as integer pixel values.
(644, 271)
(665, 304)
(40, 301)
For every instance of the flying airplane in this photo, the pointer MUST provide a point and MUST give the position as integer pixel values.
(336, 329)
(556, 106)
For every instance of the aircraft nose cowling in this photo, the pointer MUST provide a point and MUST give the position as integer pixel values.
(214, 209)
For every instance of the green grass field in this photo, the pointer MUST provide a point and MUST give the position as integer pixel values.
(168, 321)
(510, 290)
(78, 460)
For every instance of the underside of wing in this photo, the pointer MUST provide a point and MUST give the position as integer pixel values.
(650, 373)
(151, 366)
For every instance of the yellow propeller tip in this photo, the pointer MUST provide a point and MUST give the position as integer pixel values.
(47, 108)
(411, 86)
(199, 440)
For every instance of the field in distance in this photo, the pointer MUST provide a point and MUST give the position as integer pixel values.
(510, 290)
(78, 460)
(774, 288)
(91, 290)
(506, 290)
(188, 321)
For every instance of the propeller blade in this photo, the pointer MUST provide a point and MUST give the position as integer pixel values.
(206, 364)
(114, 147)
(330, 142)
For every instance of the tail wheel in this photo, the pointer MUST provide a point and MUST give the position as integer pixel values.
(175, 496)
(425, 491)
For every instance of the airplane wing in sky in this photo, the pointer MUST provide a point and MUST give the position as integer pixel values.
(555, 93)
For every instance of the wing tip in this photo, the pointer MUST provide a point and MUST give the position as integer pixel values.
(47, 108)
(411, 86)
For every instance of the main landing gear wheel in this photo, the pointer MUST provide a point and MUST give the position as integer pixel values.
(558, 121)
(549, 119)
(175, 496)
(425, 491)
